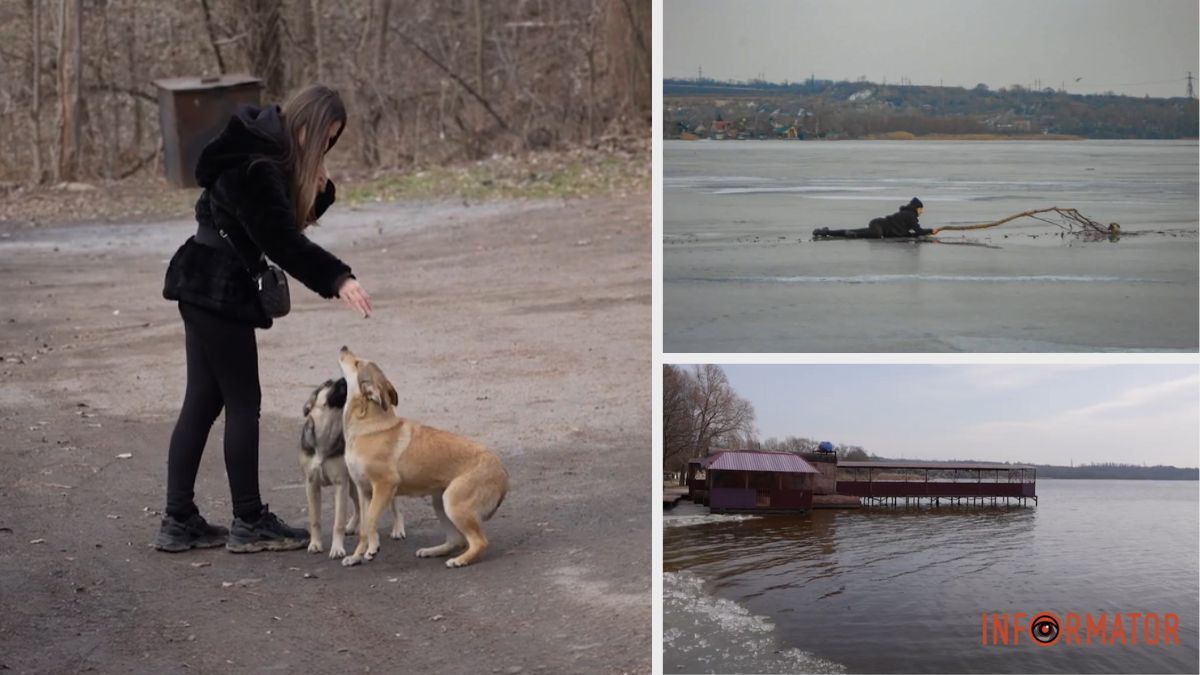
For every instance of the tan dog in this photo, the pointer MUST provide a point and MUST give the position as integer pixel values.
(322, 458)
(388, 455)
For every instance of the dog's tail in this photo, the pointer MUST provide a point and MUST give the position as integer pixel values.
(497, 506)
(500, 499)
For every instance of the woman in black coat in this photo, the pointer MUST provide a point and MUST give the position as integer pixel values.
(902, 223)
(264, 182)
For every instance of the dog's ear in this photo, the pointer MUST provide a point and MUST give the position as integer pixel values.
(391, 392)
(312, 400)
(308, 437)
(371, 392)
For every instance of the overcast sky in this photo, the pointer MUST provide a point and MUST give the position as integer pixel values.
(1046, 414)
(1134, 47)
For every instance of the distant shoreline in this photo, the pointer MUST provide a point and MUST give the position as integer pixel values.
(945, 137)
(906, 136)
(1184, 478)
(1089, 471)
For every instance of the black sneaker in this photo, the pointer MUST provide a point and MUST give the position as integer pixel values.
(175, 536)
(268, 533)
(820, 232)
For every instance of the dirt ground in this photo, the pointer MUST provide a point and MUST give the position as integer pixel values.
(523, 324)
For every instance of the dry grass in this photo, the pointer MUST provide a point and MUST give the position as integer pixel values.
(553, 175)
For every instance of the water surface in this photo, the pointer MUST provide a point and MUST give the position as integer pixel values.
(741, 273)
(895, 590)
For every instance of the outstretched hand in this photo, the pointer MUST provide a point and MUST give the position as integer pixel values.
(355, 297)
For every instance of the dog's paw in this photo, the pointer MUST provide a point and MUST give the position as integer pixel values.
(314, 546)
(399, 534)
(336, 552)
(457, 562)
(430, 552)
(370, 555)
(351, 561)
(352, 526)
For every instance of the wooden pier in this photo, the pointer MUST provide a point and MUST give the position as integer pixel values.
(900, 483)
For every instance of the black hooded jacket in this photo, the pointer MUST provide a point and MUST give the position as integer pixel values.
(902, 223)
(249, 200)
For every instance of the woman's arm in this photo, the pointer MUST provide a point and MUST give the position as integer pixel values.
(258, 196)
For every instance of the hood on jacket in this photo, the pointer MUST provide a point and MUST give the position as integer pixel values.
(251, 133)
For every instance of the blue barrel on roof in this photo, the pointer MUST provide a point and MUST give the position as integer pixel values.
(825, 446)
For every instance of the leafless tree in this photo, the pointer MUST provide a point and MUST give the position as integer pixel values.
(35, 77)
(679, 434)
(701, 411)
(70, 29)
(427, 81)
(720, 412)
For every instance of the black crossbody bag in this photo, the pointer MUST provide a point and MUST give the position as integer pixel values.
(270, 281)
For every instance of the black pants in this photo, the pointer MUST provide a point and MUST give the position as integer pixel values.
(873, 231)
(222, 372)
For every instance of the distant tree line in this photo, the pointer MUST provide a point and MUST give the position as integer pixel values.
(1119, 472)
(800, 445)
(823, 108)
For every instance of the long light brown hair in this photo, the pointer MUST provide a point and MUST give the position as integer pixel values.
(308, 114)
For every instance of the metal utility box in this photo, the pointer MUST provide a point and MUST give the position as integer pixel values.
(192, 111)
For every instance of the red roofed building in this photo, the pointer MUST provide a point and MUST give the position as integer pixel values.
(750, 480)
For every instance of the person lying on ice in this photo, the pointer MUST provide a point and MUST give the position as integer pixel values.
(902, 223)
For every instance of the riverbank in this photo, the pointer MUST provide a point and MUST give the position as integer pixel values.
(906, 136)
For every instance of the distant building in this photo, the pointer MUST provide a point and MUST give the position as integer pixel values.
(724, 127)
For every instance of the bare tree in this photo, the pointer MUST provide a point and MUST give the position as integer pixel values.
(438, 82)
(212, 36)
(70, 60)
(264, 23)
(35, 108)
(679, 433)
(719, 411)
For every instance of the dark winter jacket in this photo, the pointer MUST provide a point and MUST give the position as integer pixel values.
(902, 223)
(249, 200)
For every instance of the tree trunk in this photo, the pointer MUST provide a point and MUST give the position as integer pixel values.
(479, 33)
(61, 162)
(385, 11)
(590, 51)
(212, 36)
(35, 109)
(76, 77)
(314, 34)
(266, 62)
(106, 111)
(131, 43)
